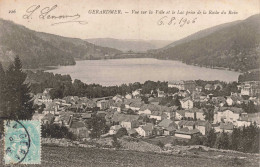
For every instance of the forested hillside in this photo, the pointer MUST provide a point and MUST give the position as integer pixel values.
(38, 49)
(235, 47)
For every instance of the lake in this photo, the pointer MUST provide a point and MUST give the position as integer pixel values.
(118, 71)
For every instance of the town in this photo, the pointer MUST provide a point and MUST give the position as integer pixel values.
(192, 111)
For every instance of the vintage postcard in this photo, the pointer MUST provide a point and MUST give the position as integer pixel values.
(130, 83)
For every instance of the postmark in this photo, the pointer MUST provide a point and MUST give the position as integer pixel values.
(22, 142)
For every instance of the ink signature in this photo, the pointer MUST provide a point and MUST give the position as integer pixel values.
(45, 14)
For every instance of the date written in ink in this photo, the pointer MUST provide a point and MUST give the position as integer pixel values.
(13, 11)
(175, 21)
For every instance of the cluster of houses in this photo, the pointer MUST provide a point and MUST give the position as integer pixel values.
(142, 119)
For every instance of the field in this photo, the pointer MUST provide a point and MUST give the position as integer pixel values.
(53, 156)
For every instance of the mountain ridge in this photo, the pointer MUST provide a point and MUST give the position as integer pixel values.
(126, 45)
(236, 46)
(36, 49)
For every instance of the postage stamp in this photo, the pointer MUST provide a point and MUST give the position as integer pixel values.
(22, 142)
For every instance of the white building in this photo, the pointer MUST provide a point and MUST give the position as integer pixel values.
(186, 103)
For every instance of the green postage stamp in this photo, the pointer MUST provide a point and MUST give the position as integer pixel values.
(22, 142)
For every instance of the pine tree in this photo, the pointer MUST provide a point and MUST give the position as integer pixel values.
(2, 99)
(235, 139)
(19, 104)
(2, 90)
(222, 141)
(211, 138)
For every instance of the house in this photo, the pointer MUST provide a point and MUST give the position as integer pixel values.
(218, 86)
(226, 127)
(88, 103)
(248, 119)
(227, 114)
(237, 99)
(40, 98)
(198, 88)
(129, 123)
(48, 119)
(101, 114)
(167, 123)
(192, 113)
(195, 96)
(136, 105)
(160, 93)
(186, 133)
(243, 121)
(128, 96)
(71, 99)
(176, 84)
(118, 118)
(57, 121)
(158, 131)
(186, 103)
(157, 112)
(254, 118)
(182, 85)
(145, 130)
(66, 118)
(117, 98)
(229, 101)
(52, 108)
(250, 88)
(86, 116)
(203, 99)
(79, 129)
(168, 126)
(200, 115)
(255, 100)
(169, 131)
(114, 129)
(187, 124)
(118, 106)
(203, 126)
(136, 93)
(45, 98)
(179, 114)
(128, 102)
(158, 115)
(189, 114)
(169, 111)
(209, 87)
(145, 109)
(190, 85)
(103, 104)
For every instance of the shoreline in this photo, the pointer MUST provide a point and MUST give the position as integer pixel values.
(196, 65)
(51, 69)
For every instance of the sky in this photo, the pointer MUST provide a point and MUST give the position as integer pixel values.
(148, 26)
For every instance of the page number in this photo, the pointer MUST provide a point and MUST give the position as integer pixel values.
(12, 11)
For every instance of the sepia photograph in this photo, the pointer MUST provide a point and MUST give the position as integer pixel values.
(132, 83)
